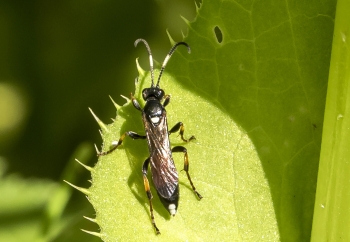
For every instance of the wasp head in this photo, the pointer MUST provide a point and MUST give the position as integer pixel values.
(154, 92)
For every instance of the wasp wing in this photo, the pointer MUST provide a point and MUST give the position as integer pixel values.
(164, 174)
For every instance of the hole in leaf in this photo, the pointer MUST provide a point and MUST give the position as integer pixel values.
(218, 34)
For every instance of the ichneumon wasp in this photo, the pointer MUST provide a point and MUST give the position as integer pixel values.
(164, 174)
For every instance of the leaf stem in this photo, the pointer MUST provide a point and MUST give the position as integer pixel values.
(332, 211)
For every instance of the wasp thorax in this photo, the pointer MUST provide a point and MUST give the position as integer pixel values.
(152, 92)
(154, 110)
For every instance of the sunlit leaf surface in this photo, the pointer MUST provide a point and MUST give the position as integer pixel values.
(224, 166)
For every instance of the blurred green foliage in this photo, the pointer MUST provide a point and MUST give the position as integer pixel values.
(57, 58)
(66, 56)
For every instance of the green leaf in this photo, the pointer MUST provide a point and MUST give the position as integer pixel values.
(270, 75)
(255, 102)
(221, 158)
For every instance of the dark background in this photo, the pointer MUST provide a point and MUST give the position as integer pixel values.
(57, 58)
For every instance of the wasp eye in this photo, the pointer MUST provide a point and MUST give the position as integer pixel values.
(160, 94)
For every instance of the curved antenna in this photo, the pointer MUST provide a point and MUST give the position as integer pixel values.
(168, 57)
(150, 57)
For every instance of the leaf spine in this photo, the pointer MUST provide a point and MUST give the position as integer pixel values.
(90, 219)
(81, 189)
(100, 123)
(126, 98)
(139, 68)
(85, 166)
(172, 41)
(92, 233)
(185, 20)
(116, 105)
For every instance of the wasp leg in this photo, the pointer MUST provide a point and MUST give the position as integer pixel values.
(180, 126)
(166, 100)
(131, 134)
(148, 192)
(135, 103)
(186, 167)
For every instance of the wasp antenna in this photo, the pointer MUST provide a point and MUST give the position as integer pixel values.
(92, 233)
(150, 57)
(168, 57)
(81, 189)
